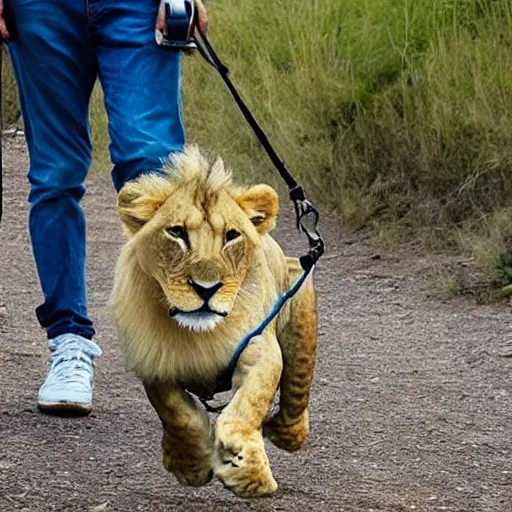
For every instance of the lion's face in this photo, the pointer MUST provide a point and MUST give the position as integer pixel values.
(196, 236)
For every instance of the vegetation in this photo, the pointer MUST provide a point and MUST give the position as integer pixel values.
(395, 113)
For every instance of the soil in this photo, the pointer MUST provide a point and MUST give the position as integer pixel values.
(411, 407)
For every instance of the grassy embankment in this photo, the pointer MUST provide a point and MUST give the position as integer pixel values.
(396, 113)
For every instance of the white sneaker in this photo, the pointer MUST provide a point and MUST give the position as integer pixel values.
(68, 386)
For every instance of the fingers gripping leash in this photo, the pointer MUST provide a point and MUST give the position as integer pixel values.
(180, 19)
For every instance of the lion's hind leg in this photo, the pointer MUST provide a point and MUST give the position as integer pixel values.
(289, 427)
(187, 443)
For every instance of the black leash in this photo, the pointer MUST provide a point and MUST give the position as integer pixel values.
(307, 215)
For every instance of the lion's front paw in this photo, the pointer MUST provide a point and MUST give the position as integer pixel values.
(287, 435)
(242, 464)
(191, 466)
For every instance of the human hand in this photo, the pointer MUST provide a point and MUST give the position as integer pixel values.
(4, 33)
(202, 17)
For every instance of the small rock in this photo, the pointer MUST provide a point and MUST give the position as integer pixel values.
(505, 350)
(100, 508)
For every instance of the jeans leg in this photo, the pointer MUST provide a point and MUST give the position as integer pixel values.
(141, 83)
(55, 68)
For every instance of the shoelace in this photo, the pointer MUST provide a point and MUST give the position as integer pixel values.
(71, 365)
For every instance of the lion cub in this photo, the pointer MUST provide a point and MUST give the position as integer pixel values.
(198, 272)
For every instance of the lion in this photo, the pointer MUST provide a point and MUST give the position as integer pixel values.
(198, 272)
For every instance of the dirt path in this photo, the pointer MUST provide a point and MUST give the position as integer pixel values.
(411, 410)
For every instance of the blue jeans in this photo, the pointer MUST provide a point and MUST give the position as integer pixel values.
(59, 49)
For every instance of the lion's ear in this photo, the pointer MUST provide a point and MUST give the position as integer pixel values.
(138, 200)
(261, 204)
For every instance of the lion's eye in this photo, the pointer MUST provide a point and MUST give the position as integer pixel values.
(257, 220)
(232, 234)
(177, 231)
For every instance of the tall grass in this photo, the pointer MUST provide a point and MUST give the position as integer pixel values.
(390, 109)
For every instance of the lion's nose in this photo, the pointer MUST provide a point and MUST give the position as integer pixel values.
(205, 289)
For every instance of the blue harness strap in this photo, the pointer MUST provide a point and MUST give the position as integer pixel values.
(224, 381)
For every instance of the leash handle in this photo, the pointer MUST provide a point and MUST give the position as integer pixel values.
(180, 18)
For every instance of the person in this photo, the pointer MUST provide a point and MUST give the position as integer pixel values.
(58, 49)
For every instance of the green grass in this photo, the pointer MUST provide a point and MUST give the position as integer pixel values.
(386, 110)
(395, 113)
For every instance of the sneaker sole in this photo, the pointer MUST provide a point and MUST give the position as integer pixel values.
(64, 408)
